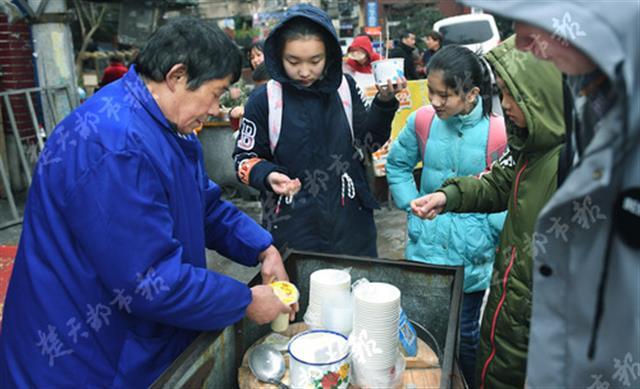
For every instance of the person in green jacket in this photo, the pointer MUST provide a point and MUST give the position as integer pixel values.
(522, 181)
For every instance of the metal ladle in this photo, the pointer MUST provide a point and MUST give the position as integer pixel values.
(267, 364)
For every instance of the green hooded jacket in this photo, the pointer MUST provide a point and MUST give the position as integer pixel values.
(521, 182)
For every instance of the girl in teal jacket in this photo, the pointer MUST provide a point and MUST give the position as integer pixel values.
(460, 94)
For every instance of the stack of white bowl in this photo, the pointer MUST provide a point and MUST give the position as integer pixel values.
(324, 283)
(375, 329)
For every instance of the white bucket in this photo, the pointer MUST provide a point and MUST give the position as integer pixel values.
(319, 358)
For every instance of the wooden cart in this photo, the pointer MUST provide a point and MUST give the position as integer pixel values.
(431, 296)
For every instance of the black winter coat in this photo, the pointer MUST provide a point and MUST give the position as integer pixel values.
(316, 146)
(406, 52)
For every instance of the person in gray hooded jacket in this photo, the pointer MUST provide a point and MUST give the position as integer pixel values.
(585, 325)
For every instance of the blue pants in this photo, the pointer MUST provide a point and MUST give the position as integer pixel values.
(470, 334)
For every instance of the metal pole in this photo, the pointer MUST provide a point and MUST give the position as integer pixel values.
(14, 129)
(41, 8)
(73, 101)
(7, 189)
(34, 120)
(52, 107)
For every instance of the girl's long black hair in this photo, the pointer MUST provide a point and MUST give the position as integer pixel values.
(463, 70)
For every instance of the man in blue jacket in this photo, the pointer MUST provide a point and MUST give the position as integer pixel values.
(110, 281)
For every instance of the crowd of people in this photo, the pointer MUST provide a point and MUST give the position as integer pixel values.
(540, 205)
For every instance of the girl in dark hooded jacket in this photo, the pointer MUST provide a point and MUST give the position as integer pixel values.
(303, 138)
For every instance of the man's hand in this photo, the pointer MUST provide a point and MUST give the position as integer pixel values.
(273, 270)
(272, 266)
(283, 185)
(388, 92)
(429, 206)
(265, 305)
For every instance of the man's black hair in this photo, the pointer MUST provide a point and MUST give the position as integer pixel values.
(207, 52)
(404, 34)
(435, 35)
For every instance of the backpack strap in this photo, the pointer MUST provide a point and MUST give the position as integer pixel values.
(274, 99)
(424, 118)
(345, 97)
(497, 142)
(275, 102)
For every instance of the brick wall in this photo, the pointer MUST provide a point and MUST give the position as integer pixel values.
(17, 71)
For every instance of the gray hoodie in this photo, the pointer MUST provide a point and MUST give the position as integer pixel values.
(585, 325)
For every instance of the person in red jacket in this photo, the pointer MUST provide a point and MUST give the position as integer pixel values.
(360, 56)
(114, 71)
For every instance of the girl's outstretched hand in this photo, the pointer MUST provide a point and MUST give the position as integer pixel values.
(283, 185)
(429, 206)
(388, 92)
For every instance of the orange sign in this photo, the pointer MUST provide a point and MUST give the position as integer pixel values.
(373, 30)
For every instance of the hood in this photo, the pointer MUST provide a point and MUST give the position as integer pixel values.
(536, 86)
(363, 43)
(333, 69)
(607, 34)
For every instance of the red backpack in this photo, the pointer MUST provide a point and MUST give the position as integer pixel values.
(496, 144)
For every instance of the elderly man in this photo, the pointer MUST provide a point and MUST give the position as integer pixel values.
(585, 329)
(110, 281)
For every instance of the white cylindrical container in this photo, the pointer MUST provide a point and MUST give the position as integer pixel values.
(322, 283)
(388, 69)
